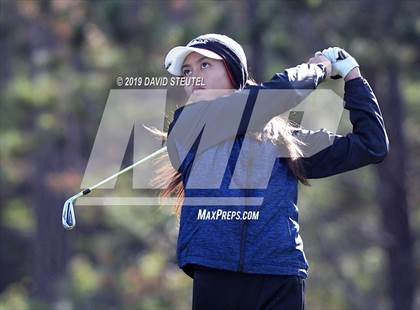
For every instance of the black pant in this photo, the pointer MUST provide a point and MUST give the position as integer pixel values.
(220, 289)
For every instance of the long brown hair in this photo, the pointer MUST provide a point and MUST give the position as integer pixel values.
(278, 131)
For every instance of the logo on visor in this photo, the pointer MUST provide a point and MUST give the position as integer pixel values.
(199, 41)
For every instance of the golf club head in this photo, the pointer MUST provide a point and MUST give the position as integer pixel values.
(68, 218)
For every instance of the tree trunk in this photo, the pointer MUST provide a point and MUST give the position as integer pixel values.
(48, 244)
(393, 197)
(256, 30)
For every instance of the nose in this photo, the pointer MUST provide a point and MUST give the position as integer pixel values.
(197, 75)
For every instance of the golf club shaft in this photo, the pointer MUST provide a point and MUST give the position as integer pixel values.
(91, 188)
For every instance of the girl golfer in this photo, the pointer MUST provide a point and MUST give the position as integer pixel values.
(240, 240)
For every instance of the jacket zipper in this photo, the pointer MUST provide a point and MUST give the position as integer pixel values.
(242, 246)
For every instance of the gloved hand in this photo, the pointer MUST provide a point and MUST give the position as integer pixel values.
(342, 62)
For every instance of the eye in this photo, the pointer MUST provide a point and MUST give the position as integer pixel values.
(186, 72)
(205, 65)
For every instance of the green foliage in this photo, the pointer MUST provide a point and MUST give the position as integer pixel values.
(84, 278)
(17, 215)
(14, 297)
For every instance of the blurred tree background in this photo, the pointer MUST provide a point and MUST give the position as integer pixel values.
(59, 59)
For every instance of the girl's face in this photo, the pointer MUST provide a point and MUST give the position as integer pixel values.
(211, 71)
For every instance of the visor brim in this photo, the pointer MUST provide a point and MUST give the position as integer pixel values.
(176, 57)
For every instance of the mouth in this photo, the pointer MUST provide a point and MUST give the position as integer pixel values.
(197, 88)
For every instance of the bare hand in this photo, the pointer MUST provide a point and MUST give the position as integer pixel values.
(353, 74)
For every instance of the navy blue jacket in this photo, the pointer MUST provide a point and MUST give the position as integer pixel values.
(270, 244)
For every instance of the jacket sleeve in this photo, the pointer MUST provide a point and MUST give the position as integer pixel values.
(368, 143)
(303, 76)
(281, 94)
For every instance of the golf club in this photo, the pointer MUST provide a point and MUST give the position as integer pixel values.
(68, 217)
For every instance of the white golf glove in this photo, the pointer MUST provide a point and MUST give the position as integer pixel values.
(342, 62)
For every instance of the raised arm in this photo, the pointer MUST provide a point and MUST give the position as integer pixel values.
(283, 92)
(368, 143)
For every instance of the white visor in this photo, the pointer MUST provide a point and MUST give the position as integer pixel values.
(176, 56)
